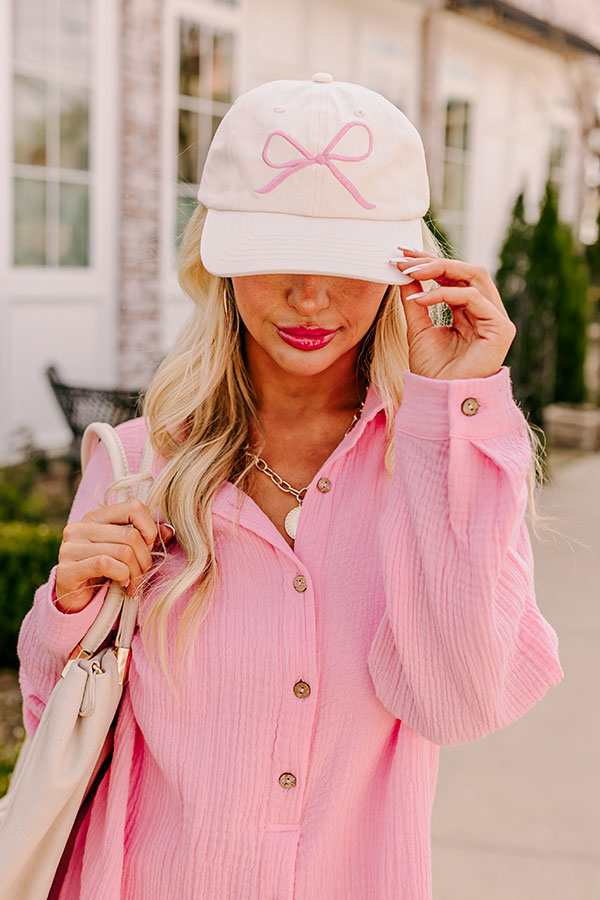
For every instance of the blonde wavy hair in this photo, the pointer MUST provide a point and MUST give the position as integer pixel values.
(198, 410)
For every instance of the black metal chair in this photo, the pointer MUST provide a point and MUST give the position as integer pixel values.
(83, 405)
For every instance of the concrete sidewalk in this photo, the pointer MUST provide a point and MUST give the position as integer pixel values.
(517, 814)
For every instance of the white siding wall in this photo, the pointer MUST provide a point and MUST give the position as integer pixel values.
(376, 44)
(518, 91)
(60, 315)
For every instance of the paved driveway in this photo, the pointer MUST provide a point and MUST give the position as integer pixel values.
(517, 814)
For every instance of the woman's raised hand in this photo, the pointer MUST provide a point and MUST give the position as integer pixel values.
(113, 542)
(477, 342)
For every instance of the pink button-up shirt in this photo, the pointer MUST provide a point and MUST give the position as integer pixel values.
(414, 625)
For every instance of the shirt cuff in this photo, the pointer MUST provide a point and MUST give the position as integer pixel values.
(62, 631)
(471, 408)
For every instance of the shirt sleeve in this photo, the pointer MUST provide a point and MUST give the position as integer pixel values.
(47, 635)
(462, 649)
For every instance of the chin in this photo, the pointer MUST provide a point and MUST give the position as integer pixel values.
(309, 363)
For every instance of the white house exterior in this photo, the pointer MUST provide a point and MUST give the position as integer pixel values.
(110, 105)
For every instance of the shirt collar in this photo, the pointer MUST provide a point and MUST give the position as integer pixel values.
(234, 505)
(230, 505)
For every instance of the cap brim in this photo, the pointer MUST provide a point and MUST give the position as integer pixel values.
(250, 243)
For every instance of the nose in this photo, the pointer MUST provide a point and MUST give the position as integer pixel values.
(308, 293)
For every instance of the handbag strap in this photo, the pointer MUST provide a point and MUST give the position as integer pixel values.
(102, 431)
(130, 604)
(116, 600)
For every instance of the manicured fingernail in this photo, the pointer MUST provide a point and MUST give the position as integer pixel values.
(415, 268)
(166, 525)
(397, 259)
(420, 294)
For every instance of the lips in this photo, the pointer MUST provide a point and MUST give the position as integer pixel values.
(305, 337)
(307, 331)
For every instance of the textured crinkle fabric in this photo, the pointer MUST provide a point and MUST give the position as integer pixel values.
(414, 626)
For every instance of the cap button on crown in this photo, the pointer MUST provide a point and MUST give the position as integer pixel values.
(322, 77)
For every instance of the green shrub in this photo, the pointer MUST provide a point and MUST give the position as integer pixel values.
(592, 255)
(511, 280)
(27, 553)
(557, 282)
(8, 758)
(543, 283)
(20, 498)
(573, 314)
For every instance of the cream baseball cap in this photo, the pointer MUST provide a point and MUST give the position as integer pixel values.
(317, 176)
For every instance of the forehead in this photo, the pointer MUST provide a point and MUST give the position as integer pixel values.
(305, 281)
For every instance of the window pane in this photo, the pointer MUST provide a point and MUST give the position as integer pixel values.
(466, 139)
(457, 124)
(29, 222)
(74, 225)
(223, 66)
(558, 142)
(189, 59)
(188, 147)
(30, 29)
(74, 30)
(195, 60)
(74, 127)
(30, 121)
(454, 186)
(205, 86)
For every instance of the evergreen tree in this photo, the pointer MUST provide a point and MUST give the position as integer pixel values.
(557, 284)
(572, 318)
(511, 281)
(544, 284)
(592, 254)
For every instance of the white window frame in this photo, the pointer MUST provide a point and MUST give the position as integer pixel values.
(100, 275)
(558, 174)
(211, 14)
(448, 217)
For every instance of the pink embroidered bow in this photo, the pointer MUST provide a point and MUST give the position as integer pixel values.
(322, 159)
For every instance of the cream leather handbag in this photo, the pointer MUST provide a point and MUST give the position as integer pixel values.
(74, 736)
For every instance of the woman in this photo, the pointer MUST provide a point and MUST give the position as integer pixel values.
(350, 585)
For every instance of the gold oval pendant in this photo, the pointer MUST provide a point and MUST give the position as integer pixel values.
(291, 522)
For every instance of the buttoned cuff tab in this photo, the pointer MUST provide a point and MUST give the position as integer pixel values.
(470, 408)
(60, 631)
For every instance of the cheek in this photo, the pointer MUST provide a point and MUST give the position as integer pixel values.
(362, 314)
(253, 315)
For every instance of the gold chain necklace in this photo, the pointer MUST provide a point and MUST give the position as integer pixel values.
(290, 522)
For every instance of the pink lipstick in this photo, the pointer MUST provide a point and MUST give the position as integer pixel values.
(305, 338)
